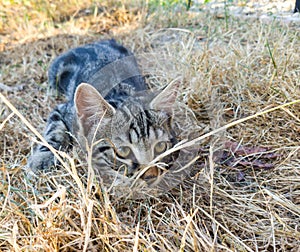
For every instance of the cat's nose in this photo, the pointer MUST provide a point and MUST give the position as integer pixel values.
(151, 173)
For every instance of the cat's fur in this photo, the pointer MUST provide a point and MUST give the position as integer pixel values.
(123, 124)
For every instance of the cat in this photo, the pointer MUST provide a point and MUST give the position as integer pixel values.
(110, 110)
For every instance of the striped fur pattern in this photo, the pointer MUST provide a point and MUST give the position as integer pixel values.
(125, 125)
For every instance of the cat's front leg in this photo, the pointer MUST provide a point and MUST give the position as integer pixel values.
(57, 134)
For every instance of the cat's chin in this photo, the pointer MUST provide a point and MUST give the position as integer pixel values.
(131, 188)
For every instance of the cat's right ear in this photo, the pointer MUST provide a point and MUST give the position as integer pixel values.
(166, 98)
(91, 107)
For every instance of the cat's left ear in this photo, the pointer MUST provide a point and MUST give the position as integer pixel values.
(166, 98)
(91, 107)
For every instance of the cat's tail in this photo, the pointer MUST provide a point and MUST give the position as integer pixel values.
(63, 74)
(92, 63)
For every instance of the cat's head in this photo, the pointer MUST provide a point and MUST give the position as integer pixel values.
(128, 138)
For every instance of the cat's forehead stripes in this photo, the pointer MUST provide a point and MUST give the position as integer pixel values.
(142, 126)
(133, 136)
(153, 134)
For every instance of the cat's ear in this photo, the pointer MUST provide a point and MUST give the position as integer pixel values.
(91, 108)
(166, 98)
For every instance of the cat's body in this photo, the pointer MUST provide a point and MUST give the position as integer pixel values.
(125, 126)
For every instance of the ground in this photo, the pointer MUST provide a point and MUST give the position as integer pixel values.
(239, 76)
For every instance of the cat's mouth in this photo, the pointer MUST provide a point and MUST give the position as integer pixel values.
(151, 173)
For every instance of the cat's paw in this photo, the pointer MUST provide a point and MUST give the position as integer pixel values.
(40, 160)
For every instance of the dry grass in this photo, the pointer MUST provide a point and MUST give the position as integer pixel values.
(230, 68)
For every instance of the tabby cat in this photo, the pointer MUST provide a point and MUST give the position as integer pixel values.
(108, 110)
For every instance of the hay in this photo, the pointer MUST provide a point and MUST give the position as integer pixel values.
(241, 80)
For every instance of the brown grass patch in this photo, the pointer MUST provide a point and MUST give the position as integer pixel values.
(232, 70)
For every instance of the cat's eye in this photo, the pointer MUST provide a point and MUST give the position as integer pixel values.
(160, 147)
(124, 151)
